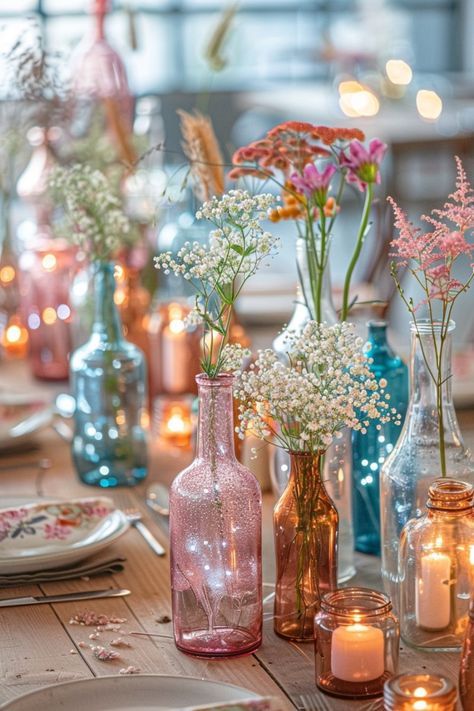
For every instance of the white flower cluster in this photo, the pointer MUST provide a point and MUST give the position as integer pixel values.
(219, 269)
(233, 357)
(325, 386)
(94, 215)
(235, 248)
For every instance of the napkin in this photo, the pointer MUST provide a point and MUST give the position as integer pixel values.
(97, 565)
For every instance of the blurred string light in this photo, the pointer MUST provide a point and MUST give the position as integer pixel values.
(355, 99)
(399, 72)
(360, 100)
(429, 104)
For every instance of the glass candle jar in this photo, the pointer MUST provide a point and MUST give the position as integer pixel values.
(419, 692)
(436, 568)
(356, 643)
(466, 673)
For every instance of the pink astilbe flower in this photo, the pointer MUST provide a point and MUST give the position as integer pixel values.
(453, 244)
(441, 285)
(313, 183)
(459, 208)
(363, 165)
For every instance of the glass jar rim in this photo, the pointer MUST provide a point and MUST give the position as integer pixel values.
(220, 381)
(403, 686)
(450, 495)
(335, 602)
(426, 326)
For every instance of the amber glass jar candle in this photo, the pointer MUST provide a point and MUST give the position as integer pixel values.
(356, 641)
(436, 566)
(419, 692)
(466, 673)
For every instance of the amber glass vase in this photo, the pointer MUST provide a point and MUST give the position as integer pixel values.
(305, 525)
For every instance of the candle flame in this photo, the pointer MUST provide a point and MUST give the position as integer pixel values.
(13, 334)
(176, 424)
(420, 706)
(419, 692)
(176, 325)
(7, 274)
(49, 262)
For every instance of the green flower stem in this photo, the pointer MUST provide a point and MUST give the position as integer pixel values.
(356, 254)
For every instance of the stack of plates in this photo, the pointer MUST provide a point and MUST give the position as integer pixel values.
(51, 534)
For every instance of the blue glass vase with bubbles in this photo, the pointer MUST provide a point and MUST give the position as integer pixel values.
(370, 451)
(108, 379)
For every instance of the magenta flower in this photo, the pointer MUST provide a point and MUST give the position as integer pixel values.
(363, 166)
(313, 183)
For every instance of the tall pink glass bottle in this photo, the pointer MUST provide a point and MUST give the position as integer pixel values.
(215, 534)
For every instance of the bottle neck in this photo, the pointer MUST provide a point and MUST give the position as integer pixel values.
(377, 337)
(107, 323)
(100, 8)
(426, 348)
(216, 418)
(309, 289)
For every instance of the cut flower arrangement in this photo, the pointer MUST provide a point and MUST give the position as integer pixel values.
(305, 161)
(215, 503)
(326, 385)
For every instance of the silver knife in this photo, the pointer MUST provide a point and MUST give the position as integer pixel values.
(67, 597)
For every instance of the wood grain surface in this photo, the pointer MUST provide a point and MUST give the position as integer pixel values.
(38, 646)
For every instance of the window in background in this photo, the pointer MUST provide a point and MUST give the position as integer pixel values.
(269, 39)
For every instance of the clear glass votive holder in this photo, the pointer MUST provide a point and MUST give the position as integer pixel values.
(356, 643)
(419, 692)
(436, 568)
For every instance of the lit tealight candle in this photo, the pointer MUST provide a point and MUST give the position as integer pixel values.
(357, 652)
(433, 608)
(175, 352)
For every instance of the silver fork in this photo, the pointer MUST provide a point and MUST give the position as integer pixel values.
(135, 519)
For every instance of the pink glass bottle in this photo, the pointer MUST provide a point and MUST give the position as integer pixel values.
(215, 535)
(99, 77)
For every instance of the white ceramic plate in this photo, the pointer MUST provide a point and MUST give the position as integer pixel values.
(21, 416)
(143, 692)
(66, 533)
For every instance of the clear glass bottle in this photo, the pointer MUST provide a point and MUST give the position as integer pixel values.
(337, 474)
(305, 525)
(436, 568)
(370, 450)
(356, 643)
(414, 462)
(419, 692)
(108, 380)
(466, 672)
(215, 538)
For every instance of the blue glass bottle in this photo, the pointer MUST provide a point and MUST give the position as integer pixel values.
(108, 379)
(369, 451)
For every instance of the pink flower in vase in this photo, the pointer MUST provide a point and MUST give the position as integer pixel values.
(453, 244)
(363, 165)
(313, 183)
(441, 284)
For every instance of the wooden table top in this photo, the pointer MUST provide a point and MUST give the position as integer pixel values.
(39, 647)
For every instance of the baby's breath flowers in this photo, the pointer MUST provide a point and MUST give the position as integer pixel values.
(325, 386)
(94, 219)
(218, 270)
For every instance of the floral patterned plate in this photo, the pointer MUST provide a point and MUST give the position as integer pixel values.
(50, 534)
